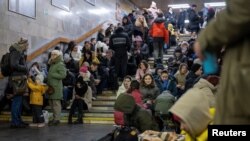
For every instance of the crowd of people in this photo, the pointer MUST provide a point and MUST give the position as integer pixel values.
(175, 97)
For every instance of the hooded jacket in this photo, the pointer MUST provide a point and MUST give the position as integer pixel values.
(57, 72)
(134, 116)
(207, 89)
(17, 60)
(193, 109)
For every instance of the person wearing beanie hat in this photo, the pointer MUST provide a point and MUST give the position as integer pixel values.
(38, 89)
(17, 62)
(195, 67)
(134, 115)
(82, 98)
(84, 69)
(57, 72)
(193, 75)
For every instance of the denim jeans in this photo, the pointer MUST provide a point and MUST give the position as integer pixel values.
(16, 109)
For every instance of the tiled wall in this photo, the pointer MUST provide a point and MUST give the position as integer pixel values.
(52, 22)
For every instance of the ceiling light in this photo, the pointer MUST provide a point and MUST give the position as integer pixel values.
(177, 6)
(99, 11)
(215, 4)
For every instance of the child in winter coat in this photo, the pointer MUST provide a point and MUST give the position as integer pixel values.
(38, 88)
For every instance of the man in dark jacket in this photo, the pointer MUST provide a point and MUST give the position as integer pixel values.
(19, 70)
(134, 115)
(120, 43)
(193, 20)
(181, 20)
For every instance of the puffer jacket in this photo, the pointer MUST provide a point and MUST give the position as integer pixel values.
(158, 29)
(57, 72)
(37, 91)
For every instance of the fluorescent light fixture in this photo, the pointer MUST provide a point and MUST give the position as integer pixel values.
(215, 4)
(186, 21)
(177, 6)
(100, 11)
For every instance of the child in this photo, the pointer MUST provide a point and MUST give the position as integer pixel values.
(38, 88)
(82, 97)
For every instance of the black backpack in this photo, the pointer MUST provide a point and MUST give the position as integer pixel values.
(5, 65)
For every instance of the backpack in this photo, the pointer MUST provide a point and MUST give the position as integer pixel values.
(5, 65)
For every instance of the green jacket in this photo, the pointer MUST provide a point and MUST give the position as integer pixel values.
(57, 72)
(231, 29)
(134, 116)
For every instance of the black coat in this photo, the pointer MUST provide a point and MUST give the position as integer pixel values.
(17, 62)
(120, 43)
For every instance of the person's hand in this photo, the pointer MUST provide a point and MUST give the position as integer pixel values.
(198, 50)
(182, 87)
(97, 81)
(178, 86)
(9, 96)
(77, 96)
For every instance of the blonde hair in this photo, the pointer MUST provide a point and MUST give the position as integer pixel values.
(141, 21)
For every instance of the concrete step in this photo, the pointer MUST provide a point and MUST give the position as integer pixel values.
(103, 108)
(92, 120)
(167, 56)
(151, 59)
(103, 103)
(106, 98)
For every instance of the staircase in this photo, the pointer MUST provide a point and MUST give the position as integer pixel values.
(100, 113)
(170, 53)
(103, 107)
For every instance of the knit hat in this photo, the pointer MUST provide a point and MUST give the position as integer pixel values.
(195, 67)
(56, 52)
(21, 45)
(84, 69)
(125, 103)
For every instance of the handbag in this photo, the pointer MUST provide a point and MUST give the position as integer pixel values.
(19, 84)
(50, 90)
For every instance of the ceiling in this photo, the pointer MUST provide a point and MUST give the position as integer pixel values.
(162, 4)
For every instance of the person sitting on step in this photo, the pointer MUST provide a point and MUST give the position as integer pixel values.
(82, 97)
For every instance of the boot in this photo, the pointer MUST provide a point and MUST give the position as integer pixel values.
(70, 119)
(79, 120)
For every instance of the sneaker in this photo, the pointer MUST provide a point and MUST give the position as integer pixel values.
(33, 125)
(93, 98)
(41, 125)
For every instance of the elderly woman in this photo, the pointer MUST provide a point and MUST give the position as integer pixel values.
(57, 72)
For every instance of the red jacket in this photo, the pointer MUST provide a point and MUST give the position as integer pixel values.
(158, 29)
(138, 97)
